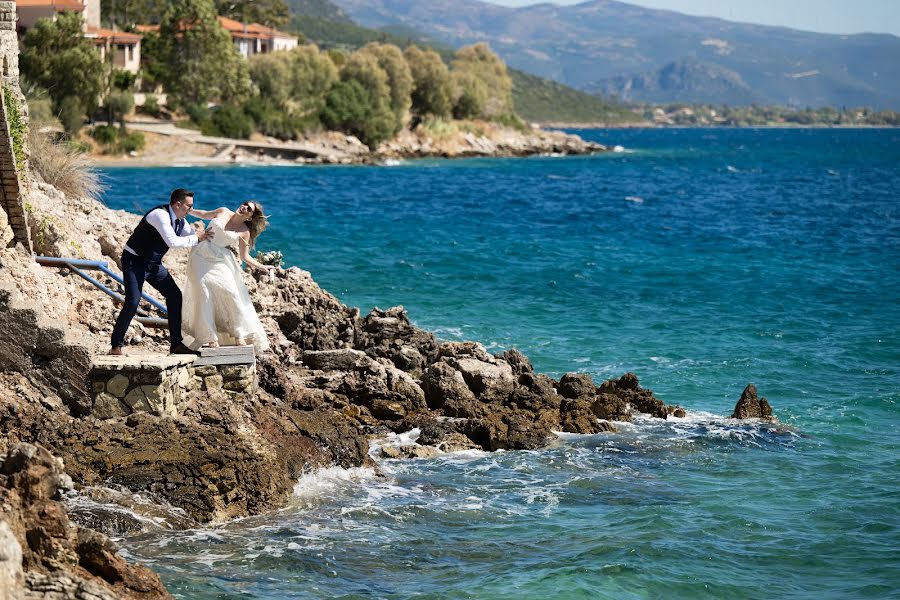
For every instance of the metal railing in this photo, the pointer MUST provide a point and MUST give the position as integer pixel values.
(79, 265)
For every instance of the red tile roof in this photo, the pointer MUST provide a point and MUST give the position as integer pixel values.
(116, 37)
(57, 4)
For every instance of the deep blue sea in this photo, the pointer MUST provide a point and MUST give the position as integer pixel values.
(702, 260)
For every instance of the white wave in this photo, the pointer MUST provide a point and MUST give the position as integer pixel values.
(635, 199)
(618, 148)
(325, 483)
(732, 169)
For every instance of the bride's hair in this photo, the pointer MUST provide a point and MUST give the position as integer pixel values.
(257, 223)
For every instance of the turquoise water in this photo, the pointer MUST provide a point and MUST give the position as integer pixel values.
(702, 260)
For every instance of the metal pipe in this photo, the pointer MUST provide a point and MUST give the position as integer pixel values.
(153, 301)
(153, 322)
(101, 265)
(52, 261)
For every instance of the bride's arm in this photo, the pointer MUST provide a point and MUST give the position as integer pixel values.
(207, 214)
(245, 256)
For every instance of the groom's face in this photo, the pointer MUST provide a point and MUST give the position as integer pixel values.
(182, 207)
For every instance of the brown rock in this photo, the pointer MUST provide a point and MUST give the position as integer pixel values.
(749, 406)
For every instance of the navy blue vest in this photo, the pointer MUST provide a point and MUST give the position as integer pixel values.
(146, 240)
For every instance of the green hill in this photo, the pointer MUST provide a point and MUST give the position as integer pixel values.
(535, 99)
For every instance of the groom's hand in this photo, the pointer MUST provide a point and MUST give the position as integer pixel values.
(205, 234)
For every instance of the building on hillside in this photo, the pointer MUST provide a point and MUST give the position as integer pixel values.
(253, 38)
(124, 49)
(248, 38)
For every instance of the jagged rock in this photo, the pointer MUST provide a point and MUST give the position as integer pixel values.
(628, 389)
(444, 386)
(57, 556)
(577, 417)
(749, 406)
(610, 407)
(389, 334)
(457, 442)
(490, 380)
(576, 385)
(518, 361)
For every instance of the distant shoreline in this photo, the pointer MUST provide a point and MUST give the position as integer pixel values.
(568, 125)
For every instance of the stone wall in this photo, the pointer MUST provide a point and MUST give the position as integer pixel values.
(13, 220)
(160, 385)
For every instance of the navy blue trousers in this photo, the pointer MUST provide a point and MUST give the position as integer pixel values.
(135, 271)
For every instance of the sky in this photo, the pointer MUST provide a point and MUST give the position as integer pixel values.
(825, 16)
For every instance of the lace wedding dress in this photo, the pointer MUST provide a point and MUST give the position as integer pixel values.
(217, 306)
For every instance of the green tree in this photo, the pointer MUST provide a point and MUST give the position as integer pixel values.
(124, 13)
(432, 91)
(481, 62)
(268, 12)
(349, 107)
(271, 73)
(363, 68)
(400, 79)
(469, 95)
(58, 57)
(203, 64)
(312, 75)
(117, 105)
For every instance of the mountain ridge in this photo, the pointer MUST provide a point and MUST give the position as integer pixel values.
(591, 44)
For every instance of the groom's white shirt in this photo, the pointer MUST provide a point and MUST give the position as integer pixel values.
(162, 220)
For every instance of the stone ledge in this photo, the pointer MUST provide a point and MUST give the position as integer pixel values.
(146, 362)
(226, 355)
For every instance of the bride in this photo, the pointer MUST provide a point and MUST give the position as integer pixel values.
(217, 307)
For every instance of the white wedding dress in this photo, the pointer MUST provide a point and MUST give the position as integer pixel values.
(216, 303)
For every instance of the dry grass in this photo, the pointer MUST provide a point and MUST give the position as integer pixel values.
(63, 166)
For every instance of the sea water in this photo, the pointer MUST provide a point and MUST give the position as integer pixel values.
(702, 260)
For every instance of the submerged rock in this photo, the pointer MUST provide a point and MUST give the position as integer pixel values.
(750, 406)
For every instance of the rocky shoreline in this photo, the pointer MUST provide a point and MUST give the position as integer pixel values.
(332, 381)
(168, 145)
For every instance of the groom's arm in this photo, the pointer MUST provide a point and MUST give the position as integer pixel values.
(159, 219)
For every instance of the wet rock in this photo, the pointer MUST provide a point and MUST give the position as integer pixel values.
(576, 385)
(610, 407)
(629, 390)
(457, 442)
(750, 406)
(577, 417)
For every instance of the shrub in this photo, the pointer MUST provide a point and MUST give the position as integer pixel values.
(63, 166)
(17, 128)
(133, 142)
(71, 114)
(105, 134)
(119, 104)
(228, 121)
(151, 105)
(123, 80)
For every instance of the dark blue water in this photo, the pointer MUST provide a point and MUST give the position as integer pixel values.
(702, 260)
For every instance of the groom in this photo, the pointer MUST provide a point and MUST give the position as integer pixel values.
(160, 229)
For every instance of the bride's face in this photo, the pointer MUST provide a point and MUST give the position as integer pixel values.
(246, 210)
